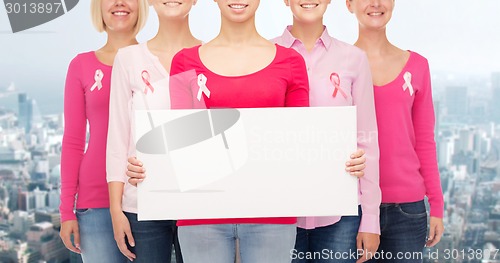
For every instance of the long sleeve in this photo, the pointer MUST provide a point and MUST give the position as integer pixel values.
(180, 96)
(363, 98)
(297, 94)
(119, 130)
(73, 145)
(425, 146)
(183, 85)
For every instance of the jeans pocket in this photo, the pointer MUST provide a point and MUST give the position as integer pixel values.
(413, 210)
(83, 211)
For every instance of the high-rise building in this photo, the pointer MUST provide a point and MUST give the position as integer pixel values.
(465, 140)
(495, 85)
(17, 251)
(7, 120)
(51, 216)
(41, 171)
(28, 113)
(445, 151)
(22, 200)
(25, 112)
(40, 198)
(54, 197)
(43, 238)
(21, 222)
(55, 175)
(27, 201)
(456, 101)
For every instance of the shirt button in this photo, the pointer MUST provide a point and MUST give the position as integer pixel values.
(308, 69)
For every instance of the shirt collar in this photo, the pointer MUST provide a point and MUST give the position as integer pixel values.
(288, 39)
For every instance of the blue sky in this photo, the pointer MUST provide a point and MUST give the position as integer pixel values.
(460, 36)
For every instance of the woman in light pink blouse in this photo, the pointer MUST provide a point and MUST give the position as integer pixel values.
(86, 98)
(339, 75)
(141, 81)
(405, 116)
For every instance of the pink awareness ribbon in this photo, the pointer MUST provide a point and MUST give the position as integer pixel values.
(407, 85)
(335, 79)
(202, 83)
(145, 78)
(98, 80)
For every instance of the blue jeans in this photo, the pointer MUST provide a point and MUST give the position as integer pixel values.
(262, 243)
(97, 240)
(403, 231)
(154, 240)
(333, 243)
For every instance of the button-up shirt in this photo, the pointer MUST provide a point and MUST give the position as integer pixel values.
(339, 75)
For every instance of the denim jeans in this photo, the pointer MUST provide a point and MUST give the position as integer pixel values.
(262, 243)
(97, 241)
(403, 231)
(333, 243)
(154, 240)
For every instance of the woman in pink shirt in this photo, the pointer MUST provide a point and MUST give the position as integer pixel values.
(405, 116)
(339, 75)
(86, 98)
(234, 84)
(140, 81)
(239, 66)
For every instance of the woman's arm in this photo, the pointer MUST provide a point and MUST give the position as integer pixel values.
(117, 152)
(73, 146)
(425, 147)
(297, 93)
(363, 98)
(368, 238)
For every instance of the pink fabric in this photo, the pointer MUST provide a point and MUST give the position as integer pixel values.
(138, 77)
(83, 172)
(330, 62)
(408, 163)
